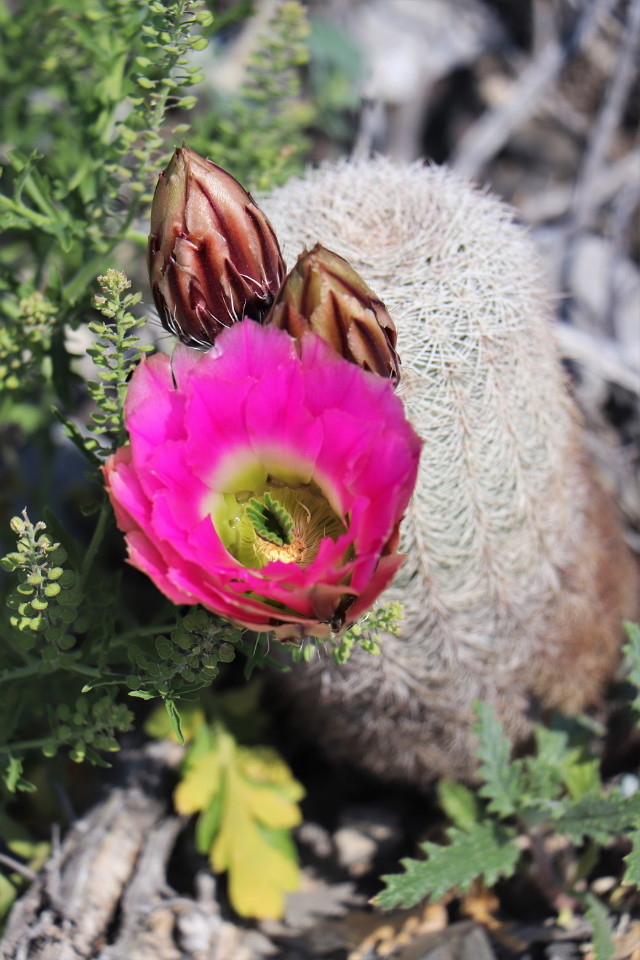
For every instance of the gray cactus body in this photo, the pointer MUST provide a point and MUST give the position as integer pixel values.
(516, 579)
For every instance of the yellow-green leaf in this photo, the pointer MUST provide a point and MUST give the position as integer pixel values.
(270, 807)
(247, 799)
(201, 781)
(259, 873)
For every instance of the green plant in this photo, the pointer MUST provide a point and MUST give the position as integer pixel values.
(259, 132)
(501, 829)
(95, 97)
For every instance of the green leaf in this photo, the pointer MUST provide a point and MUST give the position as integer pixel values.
(599, 817)
(603, 946)
(459, 804)
(13, 773)
(204, 18)
(583, 778)
(503, 778)
(174, 719)
(8, 893)
(632, 654)
(208, 824)
(487, 850)
(557, 764)
(632, 861)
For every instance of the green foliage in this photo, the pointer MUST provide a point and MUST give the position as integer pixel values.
(367, 633)
(89, 83)
(556, 790)
(42, 636)
(603, 945)
(115, 352)
(56, 625)
(28, 853)
(88, 87)
(25, 340)
(503, 780)
(459, 803)
(182, 662)
(259, 134)
(598, 816)
(45, 602)
(632, 654)
(486, 850)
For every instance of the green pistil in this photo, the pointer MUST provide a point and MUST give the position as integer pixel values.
(270, 520)
(266, 520)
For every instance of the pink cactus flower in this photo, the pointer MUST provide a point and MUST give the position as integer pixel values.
(264, 479)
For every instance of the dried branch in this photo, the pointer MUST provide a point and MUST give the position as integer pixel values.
(602, 356)
(608, 119)
(492, 131)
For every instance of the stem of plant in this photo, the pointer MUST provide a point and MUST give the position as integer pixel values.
(19, 745)
(30, 670)
(96, 540)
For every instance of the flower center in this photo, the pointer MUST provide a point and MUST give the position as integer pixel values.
(280, 520)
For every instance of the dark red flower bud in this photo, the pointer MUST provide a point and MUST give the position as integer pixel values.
(324, 293)
(213, 256)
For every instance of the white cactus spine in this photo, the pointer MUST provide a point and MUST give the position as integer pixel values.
(504, 504)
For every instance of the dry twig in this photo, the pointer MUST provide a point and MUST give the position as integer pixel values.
(492, 131)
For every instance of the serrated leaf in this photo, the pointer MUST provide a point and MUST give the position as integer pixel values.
(503, 778)
(632, 860)
(632, 655)
(583, 778)
(545, 775)
(558, 763)
(599, 817)
(603, 946)
(247, 799)
(487, 850)
(459, 804)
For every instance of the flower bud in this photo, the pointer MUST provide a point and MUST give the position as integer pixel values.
(213, 256)
(323, 293)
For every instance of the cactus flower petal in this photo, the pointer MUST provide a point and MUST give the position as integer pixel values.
(264, 479)
(213, 257)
